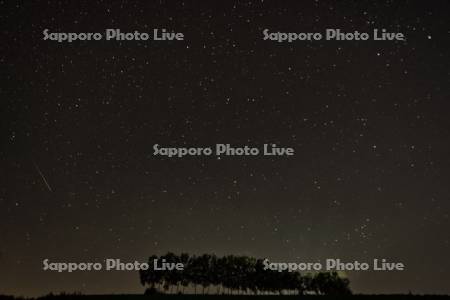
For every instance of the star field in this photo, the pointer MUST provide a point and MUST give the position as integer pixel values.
(368, 122)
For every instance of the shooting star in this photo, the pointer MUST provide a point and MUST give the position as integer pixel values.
(43, 177)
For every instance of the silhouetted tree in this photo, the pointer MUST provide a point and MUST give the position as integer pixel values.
(237, 274)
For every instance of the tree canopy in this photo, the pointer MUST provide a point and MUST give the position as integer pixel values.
(236, 275)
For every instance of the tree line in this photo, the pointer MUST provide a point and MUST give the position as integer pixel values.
(236, 275)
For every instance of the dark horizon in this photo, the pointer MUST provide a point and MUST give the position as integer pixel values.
(368, 121)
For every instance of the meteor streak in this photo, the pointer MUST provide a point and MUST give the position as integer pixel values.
(43, 177)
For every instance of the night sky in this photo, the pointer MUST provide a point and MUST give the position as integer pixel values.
(369, 122)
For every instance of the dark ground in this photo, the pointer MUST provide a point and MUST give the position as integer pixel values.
(224, 297)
